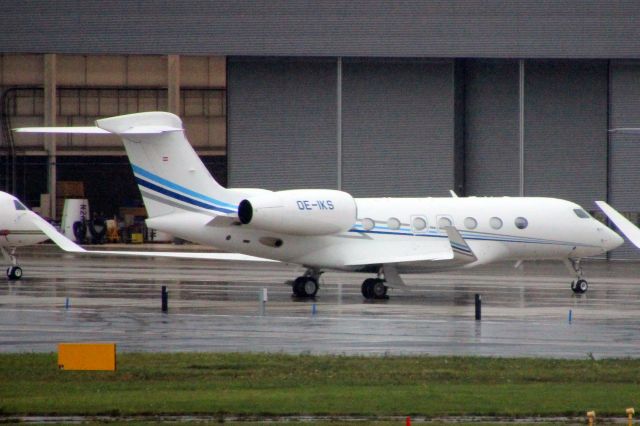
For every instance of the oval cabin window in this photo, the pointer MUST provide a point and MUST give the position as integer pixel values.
(444, 221)
(419, 224)
(521, 223)
(368, 224)
(470, 223)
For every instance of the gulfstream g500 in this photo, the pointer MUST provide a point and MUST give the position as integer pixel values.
(325, 229)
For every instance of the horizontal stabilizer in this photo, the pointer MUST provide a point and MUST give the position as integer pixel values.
(63, 130)
(69, 246)
(630, 230)
(137, 130)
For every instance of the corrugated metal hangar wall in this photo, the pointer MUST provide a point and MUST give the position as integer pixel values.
(487, 97)
(398, 124)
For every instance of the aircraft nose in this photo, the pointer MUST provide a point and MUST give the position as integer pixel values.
(611, 240)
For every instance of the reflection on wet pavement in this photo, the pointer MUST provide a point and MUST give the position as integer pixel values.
(215, 306)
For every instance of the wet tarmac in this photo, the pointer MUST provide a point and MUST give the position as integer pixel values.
(215, 306)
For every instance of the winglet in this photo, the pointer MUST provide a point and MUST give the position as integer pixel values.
(461, 250)
(61, 241)
(630, 230)
(453, 193)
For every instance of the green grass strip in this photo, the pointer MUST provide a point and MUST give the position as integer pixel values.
(277, 384)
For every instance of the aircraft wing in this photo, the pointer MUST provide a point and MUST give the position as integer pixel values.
(394, 259)
(69, 246)
(457, 252)
(630, 230)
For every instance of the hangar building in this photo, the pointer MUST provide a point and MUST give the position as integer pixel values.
(378, 98)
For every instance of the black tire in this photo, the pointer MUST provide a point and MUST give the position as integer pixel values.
(378, 289)
(367, 288)
(14, 273)
(298, 287)
(582, 286)
(310, 287)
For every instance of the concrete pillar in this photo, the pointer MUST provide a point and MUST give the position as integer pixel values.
(50, 114)
(173, 84)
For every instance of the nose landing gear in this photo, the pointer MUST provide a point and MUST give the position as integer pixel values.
(14, 272)
(580, 285)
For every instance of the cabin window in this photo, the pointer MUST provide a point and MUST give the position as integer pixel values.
(581, 213)
(495, 222)
(470, 223)
(368, 224)
(419, 224)
(444, 221)
(19, 205)
(521, 222)
(393, 223)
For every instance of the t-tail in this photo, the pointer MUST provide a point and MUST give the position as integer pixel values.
(170, 175)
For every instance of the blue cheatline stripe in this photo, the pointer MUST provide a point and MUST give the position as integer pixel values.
(497, 238)
(142, 172)
(467, 235)
(181, 197)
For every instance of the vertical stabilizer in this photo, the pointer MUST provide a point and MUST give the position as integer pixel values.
(169, 173)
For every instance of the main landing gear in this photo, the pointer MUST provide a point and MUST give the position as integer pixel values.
(374, 288)
(580, 285)
(307, 284)
(14, 272)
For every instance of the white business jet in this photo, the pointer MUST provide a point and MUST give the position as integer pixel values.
(324, 229)
(17, 229)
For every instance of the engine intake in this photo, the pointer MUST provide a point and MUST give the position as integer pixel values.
(300, 212)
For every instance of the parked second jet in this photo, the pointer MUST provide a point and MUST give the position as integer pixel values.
(17, 229)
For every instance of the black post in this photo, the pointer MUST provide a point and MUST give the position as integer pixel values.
(165, 299)
(478, 307)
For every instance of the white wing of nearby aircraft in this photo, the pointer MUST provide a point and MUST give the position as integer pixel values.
(325, 229)
(17, 229)
(624, 225)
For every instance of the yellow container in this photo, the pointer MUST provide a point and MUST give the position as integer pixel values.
(87, 356)
(136, 238)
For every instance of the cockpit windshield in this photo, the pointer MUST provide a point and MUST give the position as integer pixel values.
(581, 213)
(19, 205)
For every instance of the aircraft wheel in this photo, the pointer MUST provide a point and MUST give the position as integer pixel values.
(305, 287)
(310, 287)
(14, 273)
(574, 287)
(369, 288)
(582, 286)
(378, 289)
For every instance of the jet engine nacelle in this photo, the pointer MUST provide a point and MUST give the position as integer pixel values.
(300, 212)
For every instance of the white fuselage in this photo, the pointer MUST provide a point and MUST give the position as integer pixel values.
(16, 228)
(392, 227)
